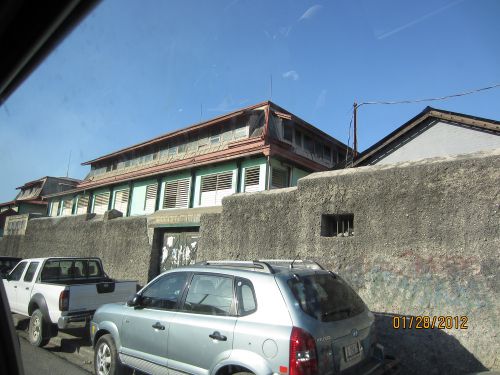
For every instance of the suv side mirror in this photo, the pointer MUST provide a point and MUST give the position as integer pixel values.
(135, 301)
(6, 276)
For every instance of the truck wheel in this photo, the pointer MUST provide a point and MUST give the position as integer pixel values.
(39, 329)
(106, 360)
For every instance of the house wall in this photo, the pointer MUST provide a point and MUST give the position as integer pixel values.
(441, 138)
(426, 242)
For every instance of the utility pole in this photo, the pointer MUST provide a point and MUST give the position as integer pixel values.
(69, 161)
(271, 82)
(355, 143)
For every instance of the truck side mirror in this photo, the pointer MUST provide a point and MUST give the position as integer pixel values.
(135, 301)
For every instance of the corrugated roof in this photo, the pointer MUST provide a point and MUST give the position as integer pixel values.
(211, 122)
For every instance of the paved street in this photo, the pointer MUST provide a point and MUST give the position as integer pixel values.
(49, 361)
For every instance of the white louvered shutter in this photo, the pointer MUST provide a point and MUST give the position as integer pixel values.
(82, 205)
(121, 201)
(176, 194)
(101, 203)
(215, 187)
(55, 208)
(67, 207)
(150, 202)
(252, 179)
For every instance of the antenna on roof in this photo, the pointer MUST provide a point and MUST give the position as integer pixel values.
(69, 161)
(201, 111)
(271, 87)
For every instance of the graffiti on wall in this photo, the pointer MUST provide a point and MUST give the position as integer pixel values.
(178, 249)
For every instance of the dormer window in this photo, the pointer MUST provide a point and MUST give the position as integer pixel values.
(298, 138)
(308, 144)
(287, 130)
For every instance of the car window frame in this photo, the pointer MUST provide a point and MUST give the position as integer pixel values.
(248, 282)
(232, 311)
(25, 263)
(181, 295)
(37, 263)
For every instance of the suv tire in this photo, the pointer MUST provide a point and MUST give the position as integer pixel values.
(106, 360)
(39, 329)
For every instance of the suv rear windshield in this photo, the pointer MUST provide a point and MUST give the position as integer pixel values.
(326, 297)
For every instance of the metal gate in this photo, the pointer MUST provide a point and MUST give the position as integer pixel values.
(178, 249)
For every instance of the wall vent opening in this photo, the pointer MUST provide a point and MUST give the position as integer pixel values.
(337, 225)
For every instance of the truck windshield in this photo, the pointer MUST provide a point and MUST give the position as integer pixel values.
(71, 269)
(326, 297)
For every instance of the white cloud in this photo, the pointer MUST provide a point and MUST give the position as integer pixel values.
(311, 12)
(291, 74)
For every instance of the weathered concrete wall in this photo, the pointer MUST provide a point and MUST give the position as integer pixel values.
(123, 244)
(426, 242)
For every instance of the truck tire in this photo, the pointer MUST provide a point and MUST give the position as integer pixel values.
(106, 360)
(39, 329)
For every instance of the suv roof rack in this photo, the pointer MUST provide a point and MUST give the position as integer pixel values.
(265, 265)
(255, 264)
(294, 263)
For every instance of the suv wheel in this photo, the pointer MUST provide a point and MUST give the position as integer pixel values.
(39, 329)
(106, 360)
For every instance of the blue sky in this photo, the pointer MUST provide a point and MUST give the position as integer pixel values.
(133, 70)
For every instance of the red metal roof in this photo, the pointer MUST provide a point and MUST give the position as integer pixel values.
(174, 133)
(213, 121)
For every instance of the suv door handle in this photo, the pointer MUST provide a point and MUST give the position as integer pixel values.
(27, 288)
(157, 325)
(217, 336)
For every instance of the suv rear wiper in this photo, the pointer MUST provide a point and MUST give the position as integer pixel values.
(347, 310)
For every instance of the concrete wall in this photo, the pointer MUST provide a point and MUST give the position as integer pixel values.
(426, 242)
(123, 244)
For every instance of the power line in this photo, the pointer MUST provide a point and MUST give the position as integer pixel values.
(409, 101)
(430, 99)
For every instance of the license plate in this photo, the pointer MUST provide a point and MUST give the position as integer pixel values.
(351, 351)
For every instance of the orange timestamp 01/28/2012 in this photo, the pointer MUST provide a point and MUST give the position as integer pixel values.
(430, 322)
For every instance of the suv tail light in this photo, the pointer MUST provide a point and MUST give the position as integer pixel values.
(303, 359)
(64, 300)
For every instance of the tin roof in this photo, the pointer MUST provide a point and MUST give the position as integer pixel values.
(211, 122)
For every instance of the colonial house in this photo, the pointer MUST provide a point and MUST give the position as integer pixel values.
(176, 177)
(29, 200)
(432, 133)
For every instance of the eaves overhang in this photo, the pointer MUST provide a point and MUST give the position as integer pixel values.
(242, 149)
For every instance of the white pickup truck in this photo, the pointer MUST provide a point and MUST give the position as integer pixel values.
(63, 291)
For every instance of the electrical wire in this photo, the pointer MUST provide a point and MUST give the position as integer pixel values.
(429, 99)
(409, 101)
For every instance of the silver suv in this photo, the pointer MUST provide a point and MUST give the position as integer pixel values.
(226, 317)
